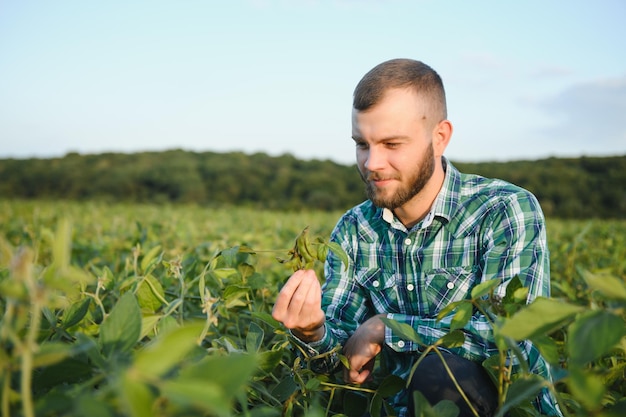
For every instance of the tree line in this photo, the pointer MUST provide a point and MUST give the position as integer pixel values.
(582, 187)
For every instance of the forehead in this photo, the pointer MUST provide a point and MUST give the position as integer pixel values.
(398, 112)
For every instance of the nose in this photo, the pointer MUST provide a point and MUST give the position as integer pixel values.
(374, 159)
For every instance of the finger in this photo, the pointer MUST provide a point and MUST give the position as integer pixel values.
(281, 306)
(353, 373)
(306, 295)
(305, 308)
(357, 375)
(298, 304)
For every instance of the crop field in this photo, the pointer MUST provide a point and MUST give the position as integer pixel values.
(164, 310)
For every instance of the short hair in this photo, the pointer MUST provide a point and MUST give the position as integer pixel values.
(401, 73)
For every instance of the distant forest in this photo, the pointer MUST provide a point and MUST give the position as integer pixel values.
(566, 187)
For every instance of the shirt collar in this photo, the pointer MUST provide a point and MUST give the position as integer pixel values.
(445, 204)
(447, 201)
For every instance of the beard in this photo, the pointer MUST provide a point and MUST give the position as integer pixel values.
(415, 182)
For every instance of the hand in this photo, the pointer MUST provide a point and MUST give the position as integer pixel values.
(361, 349)
(299, 306)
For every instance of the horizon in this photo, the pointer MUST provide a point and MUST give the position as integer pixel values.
(287, 154)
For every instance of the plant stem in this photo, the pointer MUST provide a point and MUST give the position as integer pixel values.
(456, 384)
(6, 389)
(27, 354)
(348, 387)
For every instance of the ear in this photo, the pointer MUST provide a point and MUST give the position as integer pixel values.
(442, 133)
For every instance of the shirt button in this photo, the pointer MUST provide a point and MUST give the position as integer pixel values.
(375, 284)
(407, 241)
(450, 285)
(410, 287)
(401, 344)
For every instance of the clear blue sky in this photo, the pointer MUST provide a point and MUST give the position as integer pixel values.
(524, 79)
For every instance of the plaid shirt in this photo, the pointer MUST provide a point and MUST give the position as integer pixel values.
(478, 229)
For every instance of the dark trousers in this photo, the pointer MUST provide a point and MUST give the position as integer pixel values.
(433, 381)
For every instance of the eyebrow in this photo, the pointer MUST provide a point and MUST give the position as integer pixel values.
(384, 139)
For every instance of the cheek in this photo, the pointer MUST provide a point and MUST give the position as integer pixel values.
(361, 158)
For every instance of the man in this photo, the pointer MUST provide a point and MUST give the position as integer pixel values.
(427, 235)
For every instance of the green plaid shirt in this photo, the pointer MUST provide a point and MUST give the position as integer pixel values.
(478, 229)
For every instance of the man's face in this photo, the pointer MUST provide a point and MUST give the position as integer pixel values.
(394, 148)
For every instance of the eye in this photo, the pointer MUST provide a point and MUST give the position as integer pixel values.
(360, 144)
(392, 145)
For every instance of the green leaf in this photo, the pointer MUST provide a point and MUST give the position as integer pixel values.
(231, 372)
(454, 339)
(446, 408)
(88, 405)
(423, 408)
(402, 330)
(338, 251)
(148, 324)
(616, 410)
(234, 296)
(221, 274)
(167, 350)
(450, 308)
(522, 390)
(541, 316)
(344, 361)
(61, 247)
(492, 366)
(149, 257)
(484, 288)
(254, 338)
(75, 313)
(312, 384)
(511, 288)
(61, 374)
(120, 330)
(462, 316)
(284, 388)
(506, 343)
(51, 353)
(376, 406)
(211, 384)
(391, 385)
(269, 360)
(150, 294)
(137, 397)
(267, 319)
(245, 269)
(593, 335)
(91, 349)
(548, 349)
(586, 388)
(609, 286)
(206, 396)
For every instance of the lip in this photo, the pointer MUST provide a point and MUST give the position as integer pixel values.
(381, 182)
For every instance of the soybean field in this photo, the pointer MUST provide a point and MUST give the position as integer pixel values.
(114, 309)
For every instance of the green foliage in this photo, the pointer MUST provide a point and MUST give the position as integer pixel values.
(566, 187)
(135, 310)
(586, 187)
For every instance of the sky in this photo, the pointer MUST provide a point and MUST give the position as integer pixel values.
(524, 79)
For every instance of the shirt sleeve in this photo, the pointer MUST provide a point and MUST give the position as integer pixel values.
(346, 305)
